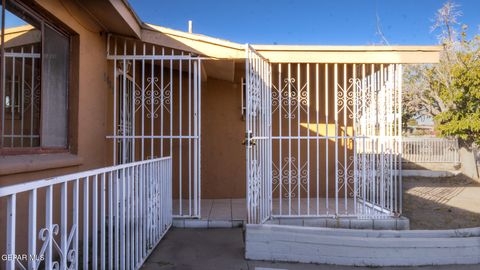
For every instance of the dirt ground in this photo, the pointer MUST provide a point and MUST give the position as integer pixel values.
(441, 203)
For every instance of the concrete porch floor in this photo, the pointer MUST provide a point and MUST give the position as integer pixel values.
(232, 213)
(206, 249)
(219, 213)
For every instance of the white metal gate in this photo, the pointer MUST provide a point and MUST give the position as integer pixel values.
(335, 140)
(156, 104)
(258, 136)
(377, 137)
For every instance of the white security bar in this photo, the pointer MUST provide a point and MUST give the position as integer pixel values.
(108, 218)
(336, 155)
(258, 136)
(430, 150)
(21, 81)
(157, 112)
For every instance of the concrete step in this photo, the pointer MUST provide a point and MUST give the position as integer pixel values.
(429, 173)
(206, 224)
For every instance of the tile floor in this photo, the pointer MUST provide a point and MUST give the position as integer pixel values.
(219, 213)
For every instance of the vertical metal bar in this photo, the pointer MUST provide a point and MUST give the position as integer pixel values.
(199, 137)
(103, 235)
(11, 227)
(335, 85)
(22, 99)
(142, 204)
(317, 133)
(180, 134)
(365, 88)
(261, 133)
(327, 138)
(143, 103)
(345, 139)
(63, 225)
(152, 101)
(382, 136)
(289, 139)
(75, 221)
(354, 135)
(374, 115)
(122, 219)
(111, 241)
(32, 94)
(162, 101)
(299, 166)
(171, 105)
(248, 150)
(124, 104)
(400, 188)
(195, 131)
(49, 227)
(280, 141)
(136, 221)
(117, 189)
(270, 147)
(189, 136)
(32, 227)
(308, 138)
(133, 91)
(95, 222)
(114, 105)
(12, 103)
(85, 222)
(132, 217)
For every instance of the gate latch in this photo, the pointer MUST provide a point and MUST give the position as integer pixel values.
(248, 139)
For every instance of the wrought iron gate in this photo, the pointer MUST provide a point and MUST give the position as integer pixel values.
(377, 137)
(336, 132)
(258, 136)
(156, 104)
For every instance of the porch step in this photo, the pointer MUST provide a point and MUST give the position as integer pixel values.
(206, 224)
(217, 213)
(429, 173)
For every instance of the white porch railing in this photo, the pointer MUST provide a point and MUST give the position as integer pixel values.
(430, 150)
(111, 217)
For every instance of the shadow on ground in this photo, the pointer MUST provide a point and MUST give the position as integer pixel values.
(441, 203)
(212, 249)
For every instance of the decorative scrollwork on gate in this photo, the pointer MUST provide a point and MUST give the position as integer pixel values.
(296, 178)
(154, 97)
(254, 182)
(290, 98)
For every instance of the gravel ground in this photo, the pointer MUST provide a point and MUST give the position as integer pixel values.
(441, 203)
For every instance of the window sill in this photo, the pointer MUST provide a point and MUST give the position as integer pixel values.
(31, 163)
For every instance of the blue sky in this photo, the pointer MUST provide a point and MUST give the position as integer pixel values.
(334, 22)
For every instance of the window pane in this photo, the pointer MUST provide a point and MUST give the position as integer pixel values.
(54, 91)
(21, 80)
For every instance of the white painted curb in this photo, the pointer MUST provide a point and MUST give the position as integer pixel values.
(362, 247)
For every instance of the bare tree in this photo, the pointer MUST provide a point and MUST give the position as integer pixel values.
(422, 83)
(446, 19)
(379, 31)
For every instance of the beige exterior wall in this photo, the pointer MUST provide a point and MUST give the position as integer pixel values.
(223, 130)
(87, 98)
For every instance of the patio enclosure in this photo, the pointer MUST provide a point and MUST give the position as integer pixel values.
(322, 139)
(306, 128)
(156, 112)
